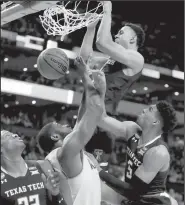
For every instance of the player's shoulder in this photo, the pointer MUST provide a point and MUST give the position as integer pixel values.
(159, 151)
(89, 155)
(53, 154)
(138, 58)
(136, 53)
(92, 158)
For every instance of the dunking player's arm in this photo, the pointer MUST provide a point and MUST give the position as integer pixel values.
(86, 51)
(105, 44)
(143, 175)
(69, 154)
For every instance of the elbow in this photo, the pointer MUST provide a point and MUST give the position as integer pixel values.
(104, 45)
(103, 116)
(100, 44)
(96, 106)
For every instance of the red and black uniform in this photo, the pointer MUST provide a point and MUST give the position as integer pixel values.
(117, 82)
(26, 190)
(155, 193)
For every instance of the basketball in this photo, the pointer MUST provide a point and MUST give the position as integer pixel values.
(53, 63)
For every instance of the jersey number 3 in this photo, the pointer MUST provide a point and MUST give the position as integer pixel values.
(31, 200)
(129, 169)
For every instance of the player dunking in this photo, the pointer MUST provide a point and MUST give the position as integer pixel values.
(124, 64)
(21, 183)
(148, 158)
(82, 175)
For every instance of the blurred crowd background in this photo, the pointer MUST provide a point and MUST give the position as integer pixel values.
(163, 49)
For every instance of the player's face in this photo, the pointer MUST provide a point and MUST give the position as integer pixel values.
(100, 155)
(149, 116)
(124, 36)
(11, 142)
(61, 129)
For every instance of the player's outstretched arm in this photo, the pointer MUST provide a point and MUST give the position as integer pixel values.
(87, 44)
(86, 51)
(105, 44)
(82, 70)
(124, 129)
(99, 83)
(79, 137)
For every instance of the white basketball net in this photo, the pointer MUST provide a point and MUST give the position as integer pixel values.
(68, 17)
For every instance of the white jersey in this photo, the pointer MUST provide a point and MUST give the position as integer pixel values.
(86, 187)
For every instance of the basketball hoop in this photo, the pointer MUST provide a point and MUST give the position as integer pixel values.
(66, 18)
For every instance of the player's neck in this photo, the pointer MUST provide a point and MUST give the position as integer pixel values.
(13, 167)
(148, 136)
(132, 47)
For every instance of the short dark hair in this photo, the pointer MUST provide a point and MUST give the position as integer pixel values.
(168, 115)
(47, 136)
(44, 138)
(139, 32)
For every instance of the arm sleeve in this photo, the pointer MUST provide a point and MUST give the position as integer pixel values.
(55, 200)
(137, 186)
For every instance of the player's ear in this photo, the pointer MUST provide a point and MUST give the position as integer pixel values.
(133, 39)
(156, 122)
(55, 137)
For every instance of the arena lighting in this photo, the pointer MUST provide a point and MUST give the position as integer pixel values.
(178, 74)
(134, 91)
(35, 66)
(145, 88)
(151, 73)
(52, 44)
(166, 86)
(16, 102)
(176, 93)
(34, 43)
(36, 91)
(33, 102)
(6, 105)
(6, 59)
(31, 42)
(70, 54)
(25, 69)
(74, 117)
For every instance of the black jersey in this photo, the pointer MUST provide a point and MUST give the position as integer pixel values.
(117, 82)
(135, 156)
(26, 190)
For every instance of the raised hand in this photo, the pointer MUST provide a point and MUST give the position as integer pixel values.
(99, 81)
(96, 20)
(132, 129)
(52, 183)
(107, 6)
(81, 66)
